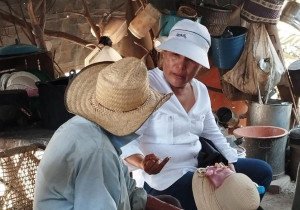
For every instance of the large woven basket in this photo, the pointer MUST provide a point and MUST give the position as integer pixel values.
(17, 176)
(214, 17)
(264, 11)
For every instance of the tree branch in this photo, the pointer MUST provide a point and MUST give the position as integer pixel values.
(28, 35)
(37, 31)
(57, 34)
(90, 21)
(43, 15)
(69, 37)
(11, 11)
(27, 29)
(9, 6)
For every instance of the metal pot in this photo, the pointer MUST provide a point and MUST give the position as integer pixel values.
(291, 14)
(275, 112)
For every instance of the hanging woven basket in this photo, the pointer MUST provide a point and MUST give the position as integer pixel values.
(262, 11)
(214, 17)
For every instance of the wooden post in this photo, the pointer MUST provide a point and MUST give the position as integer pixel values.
(286, 93)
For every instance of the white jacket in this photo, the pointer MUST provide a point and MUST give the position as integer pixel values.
(172, 132)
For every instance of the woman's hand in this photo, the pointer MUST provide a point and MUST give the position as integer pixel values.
(151, 164)
(231, 167)
(221, 165)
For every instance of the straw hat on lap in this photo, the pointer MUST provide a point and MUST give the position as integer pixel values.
(237, 192)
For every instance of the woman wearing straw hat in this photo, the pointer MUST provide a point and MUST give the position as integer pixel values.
(172, 132)
(81, 168)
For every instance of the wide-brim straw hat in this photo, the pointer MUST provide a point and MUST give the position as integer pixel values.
(116, 96)
(237, 192)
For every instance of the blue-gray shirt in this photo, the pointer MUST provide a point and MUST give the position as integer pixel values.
(82, 170)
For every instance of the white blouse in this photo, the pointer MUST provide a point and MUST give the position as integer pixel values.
(172, 132)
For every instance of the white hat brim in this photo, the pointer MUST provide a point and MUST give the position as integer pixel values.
(187, 49)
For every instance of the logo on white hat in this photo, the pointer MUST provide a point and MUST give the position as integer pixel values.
(181, 35)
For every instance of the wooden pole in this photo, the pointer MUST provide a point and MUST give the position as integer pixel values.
(286, 93)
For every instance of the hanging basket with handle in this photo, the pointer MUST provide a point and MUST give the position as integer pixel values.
(214, 17)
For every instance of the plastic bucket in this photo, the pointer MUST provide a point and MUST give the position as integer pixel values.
(294, 143)
(266, 143)
(226, 51)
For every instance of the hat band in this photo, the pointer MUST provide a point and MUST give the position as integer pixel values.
(96, 105)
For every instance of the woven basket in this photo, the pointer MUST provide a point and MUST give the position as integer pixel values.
(144, 21)
(264, 11)
(187, 12)
(215, 18)
(18, 173)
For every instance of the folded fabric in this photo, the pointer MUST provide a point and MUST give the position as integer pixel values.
(217, 175)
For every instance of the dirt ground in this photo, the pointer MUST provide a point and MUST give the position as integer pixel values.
(282, 200)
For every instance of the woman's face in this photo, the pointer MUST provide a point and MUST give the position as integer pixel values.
(179, 70)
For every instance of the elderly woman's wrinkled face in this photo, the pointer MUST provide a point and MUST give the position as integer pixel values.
(178, 70)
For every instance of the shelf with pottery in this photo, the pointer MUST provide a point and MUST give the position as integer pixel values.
(21, 66)
(41, 61)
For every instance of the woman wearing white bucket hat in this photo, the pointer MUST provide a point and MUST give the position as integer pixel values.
(174, 130)
(81, 168)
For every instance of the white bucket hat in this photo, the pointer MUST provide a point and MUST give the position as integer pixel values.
(237, 191)
(116, 96)
(190, 39)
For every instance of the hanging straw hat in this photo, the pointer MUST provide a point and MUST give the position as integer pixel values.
(237, 192)
(116, 95)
